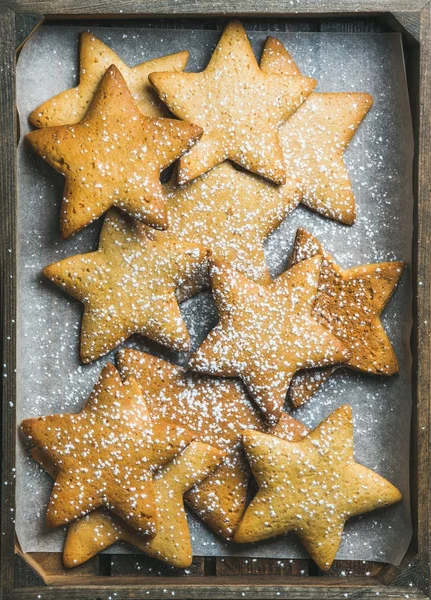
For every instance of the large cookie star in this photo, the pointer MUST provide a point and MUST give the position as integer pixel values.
(239, 106)
(349, 303)
(113, 157)
(106, 454)
(231, 212)
(315, 138)
(97, 531)
(310, 487)
(128, 285)
(266, 333)
(95, 58)
(218, 411)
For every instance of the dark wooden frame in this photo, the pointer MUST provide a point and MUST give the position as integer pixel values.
(412, 578)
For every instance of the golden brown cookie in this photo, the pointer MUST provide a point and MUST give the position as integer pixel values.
(232, 213)
(239, 106)
(95, 58)
(106, 454)
(113, 157)
(93, 533)
(349, 303)
(289, 429)
(310, 487)
(266, 333)
(314, 140)
(218, 411)
(128, 285)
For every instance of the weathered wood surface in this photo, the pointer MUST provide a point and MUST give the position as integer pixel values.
(261, 567)
(422, 464)
(409, 22)
(8, 291)
(203, 7)
(233, 588)
(146, 566)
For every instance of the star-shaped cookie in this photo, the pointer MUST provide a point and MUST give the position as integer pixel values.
(315, 138)
(128, 285)
(289, 429)
(266, 333)
(310, 487)
(106, 454)
(231, 212)
(218, 411)
(95, 58)
(239, 106)
(97, 531)
(113, 157)
(349, 303)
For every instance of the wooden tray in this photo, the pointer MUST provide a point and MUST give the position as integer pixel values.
(42, 575)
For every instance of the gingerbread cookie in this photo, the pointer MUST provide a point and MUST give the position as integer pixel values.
(232, 213)
(311, 487)
(314, 140)
(93, 533)
(218, 411)
(349, 303)
(239, 106)
(95, 58)
(128, 285)
(289, 429)
(266, 333)
(106, 454)
(113, 157)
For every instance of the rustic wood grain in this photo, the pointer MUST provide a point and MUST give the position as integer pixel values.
(422, 464)
(349, 25)
(410, 22)
(203, 7)
(24, 575)
(233, 588)
(8, 287)
(50, 564)
(146, 566)
(25, 26)
(353, 568)
(232, 565)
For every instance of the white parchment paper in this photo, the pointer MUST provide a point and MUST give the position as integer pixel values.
(50, 378)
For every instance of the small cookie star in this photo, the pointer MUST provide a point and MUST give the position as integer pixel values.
(266, 333)
(217, 411)
(97, 531)
(106, 454)
(315, 138)
(128, 285)
(349, 303)
(113, 157)
(239, 106)
(95, 58)
(310, 487)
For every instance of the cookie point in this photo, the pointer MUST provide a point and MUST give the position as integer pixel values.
(154, 78)
(35, 118)
(113, 71)
(196, 131)
(109, 370)
(345, 411)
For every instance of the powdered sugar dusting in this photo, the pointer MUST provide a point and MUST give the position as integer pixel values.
(378, 161)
